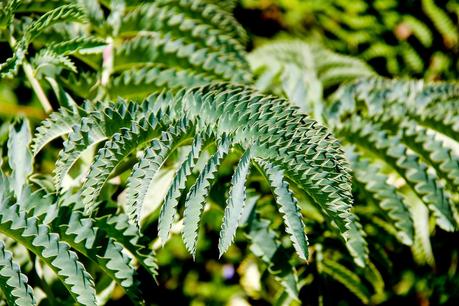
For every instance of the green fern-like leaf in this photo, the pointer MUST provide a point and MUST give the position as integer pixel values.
(303, 71)
(376, 185)
(168, 209)
(148, 166)
(78, 45)
(47, 245)
(392, 151)
(49, 63)
(144, 80)
(178, 53)
(121, 230)
(252, 119)
(172, 18)
(289, 208)
(82, 235)
(264, 244)
(64, 13)
(12, 282)
(196, 197)
(235, 203)
(119, 146)
(208, 12)
(257, 122)
(57, 124)
(19, 155)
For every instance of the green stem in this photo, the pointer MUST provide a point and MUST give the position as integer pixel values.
(107, 68)
(33, 81)
(37, 87)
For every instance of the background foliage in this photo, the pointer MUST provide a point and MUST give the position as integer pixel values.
(400, 138)
(417, 38)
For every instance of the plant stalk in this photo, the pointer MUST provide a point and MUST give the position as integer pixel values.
(33, 81)
(37, 88)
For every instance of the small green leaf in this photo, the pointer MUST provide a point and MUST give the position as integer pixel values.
(197, 195)
(147, 168)
(235, 203)
(168, 209)
(289, 208)
(19, 155)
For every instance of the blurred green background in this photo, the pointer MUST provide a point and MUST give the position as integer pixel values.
(404, 38)
(416, 38)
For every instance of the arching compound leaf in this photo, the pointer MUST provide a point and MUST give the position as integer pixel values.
(302, 149)
(305, 150)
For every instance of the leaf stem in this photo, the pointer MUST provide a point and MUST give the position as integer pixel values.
(33, 81)
(107, 67)
(37, 87)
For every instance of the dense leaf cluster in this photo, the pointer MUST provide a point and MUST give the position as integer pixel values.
(145, 90)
